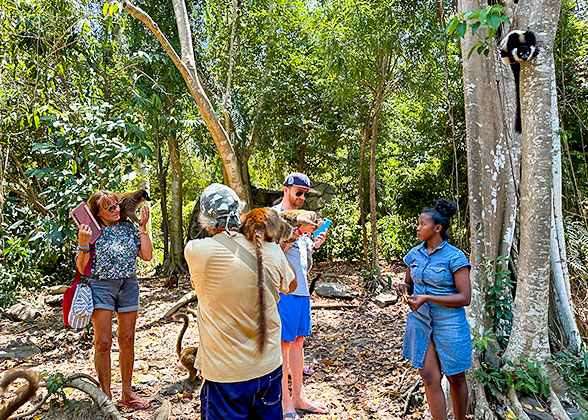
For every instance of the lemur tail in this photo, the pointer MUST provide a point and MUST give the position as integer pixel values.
(516, 71)
(184, 318)
(23, 394)
(262, 317)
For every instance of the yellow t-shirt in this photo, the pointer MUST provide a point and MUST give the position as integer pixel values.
(227, 309)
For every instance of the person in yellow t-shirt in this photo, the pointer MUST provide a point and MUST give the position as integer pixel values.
(239, 383)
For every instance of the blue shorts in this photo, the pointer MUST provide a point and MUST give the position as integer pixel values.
(295, 316)
(118, 295)
(259, 398)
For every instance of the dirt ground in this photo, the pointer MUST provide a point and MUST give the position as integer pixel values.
(355, 353)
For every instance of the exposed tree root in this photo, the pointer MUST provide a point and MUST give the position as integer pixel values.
(90, 386)
(187, 298)
(556, 408)
(512, 403)
(164, 411)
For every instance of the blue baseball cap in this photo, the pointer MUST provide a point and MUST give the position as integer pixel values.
(297, 179)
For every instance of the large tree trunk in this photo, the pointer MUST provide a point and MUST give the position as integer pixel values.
(379, 99)
(502, 165)
(364, 136)
(175, 225)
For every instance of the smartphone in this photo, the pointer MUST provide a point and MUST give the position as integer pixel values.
(322, 228)
(82, 215)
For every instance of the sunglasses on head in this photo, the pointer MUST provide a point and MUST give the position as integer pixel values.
(112, 208)
(299, 193)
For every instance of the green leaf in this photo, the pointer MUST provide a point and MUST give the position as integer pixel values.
(475, 27)
(452, 25)
(475, 15)
(461, 29)
(493, 21)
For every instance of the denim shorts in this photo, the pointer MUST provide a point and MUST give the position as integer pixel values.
(259, 398)
(295, 316)
(118, 295)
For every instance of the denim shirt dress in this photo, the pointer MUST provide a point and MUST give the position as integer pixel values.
(447, 327)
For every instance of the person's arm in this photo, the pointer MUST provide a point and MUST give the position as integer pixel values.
(461, 298)
(319, 239)
(295, 235)
(84, 236)
(294, 283)
(146, 247)
(406, 288)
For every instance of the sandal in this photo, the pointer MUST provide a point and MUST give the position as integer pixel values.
(314, 408)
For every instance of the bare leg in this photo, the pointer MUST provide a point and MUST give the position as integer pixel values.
(296, 365)
(126, 344)
(458, 389)
(102, 322)
(431, 375)
(287, 404)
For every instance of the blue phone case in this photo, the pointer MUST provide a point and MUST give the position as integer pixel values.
(323, 227)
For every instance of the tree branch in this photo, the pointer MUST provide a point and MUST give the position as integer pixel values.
(227, 92)
(141, 15)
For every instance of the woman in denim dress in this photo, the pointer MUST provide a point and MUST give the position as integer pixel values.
(114, 287)
(437, 339)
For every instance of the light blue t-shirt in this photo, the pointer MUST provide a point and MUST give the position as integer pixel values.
(300, 256)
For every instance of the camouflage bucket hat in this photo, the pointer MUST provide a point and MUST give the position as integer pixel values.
(220, 207)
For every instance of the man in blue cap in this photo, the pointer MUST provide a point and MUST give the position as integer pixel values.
(294, 309)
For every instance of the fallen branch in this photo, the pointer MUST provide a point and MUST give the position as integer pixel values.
(333, 306)
(187, 298)
(416, 384)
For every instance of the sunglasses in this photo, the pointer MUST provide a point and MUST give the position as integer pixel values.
(112, 208)
(299, 193)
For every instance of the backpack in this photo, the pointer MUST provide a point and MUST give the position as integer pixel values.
(77, 299)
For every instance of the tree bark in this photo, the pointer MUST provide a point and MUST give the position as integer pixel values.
(379, 99)
(504, 166)
(364, 136)
(529, 336)
(175, 225)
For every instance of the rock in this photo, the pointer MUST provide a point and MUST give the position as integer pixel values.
(146, 378)
(334, 290)
(492, 359)
(22, 312)
(56, 290)
(173, 389)
(534, 410)
(386, 299)
(53, 300)
(18, 349)
(361, 342)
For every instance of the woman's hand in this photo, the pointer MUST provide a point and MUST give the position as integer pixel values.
(84, 235)
(144, 215)
(403, 289)
(416, 301)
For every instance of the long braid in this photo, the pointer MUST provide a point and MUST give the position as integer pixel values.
(262, 317)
